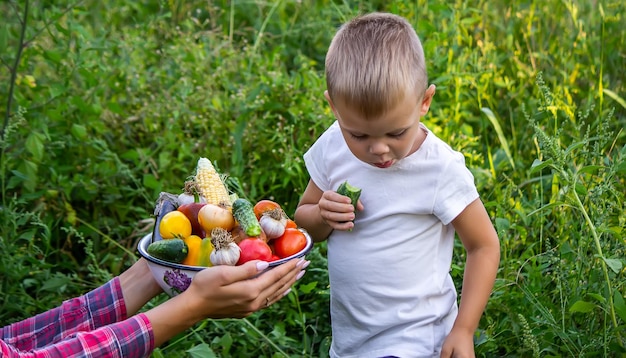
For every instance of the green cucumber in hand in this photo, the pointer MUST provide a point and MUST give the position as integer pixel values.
(350, 191)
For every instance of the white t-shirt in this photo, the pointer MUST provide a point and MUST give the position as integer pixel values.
(391, 291)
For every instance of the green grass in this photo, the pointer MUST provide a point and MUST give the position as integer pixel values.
(107, 104)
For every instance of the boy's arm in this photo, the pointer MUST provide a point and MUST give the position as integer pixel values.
(480, 240)
(320, 212)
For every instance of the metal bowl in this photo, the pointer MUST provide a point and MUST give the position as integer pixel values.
(175, 278)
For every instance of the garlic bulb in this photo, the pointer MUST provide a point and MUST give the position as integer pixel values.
(225, 250)
(273, 223)
(190, 194)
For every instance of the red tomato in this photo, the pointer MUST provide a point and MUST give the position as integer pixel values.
(274, 258)
(264, 205)
(254, 249)
(290, 243)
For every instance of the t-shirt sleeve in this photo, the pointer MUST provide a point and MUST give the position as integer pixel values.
(314, 161)
(455, 190)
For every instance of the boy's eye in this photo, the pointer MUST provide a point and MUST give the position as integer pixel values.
(358, 136)
(392, 135)
(398, 134)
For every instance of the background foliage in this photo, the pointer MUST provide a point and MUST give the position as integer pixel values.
(106, 104)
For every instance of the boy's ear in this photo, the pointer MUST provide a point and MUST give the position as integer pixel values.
(330, 102)
(427, 99)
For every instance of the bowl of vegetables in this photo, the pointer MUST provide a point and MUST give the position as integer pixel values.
(207, 226)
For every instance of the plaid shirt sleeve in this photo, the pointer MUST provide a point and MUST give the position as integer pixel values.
(93, 325)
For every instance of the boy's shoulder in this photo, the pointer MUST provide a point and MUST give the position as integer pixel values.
(433, 142)
(332, 133)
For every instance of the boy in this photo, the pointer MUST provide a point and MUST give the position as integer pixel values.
(389, 263)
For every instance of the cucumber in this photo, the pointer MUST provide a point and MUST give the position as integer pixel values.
(350, 191)
(243, 211)
(171, 250)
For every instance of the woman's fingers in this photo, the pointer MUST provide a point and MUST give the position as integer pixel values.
(238, 291)
(272, 284)
(282, 286)
(231, 274)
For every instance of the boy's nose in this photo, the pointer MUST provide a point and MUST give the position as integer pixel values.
(378, 148)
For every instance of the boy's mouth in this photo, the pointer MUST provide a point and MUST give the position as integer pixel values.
(383, 165)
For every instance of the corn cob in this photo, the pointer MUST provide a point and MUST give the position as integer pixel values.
(210, 184)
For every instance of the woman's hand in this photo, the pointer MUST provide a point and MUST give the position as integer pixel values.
(238, 291)
(224, 291)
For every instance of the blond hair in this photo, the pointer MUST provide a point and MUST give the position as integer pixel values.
(373, 62)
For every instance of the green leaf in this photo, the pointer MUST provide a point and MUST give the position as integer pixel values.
(4, 35)
(614, 230)
(55, 284)
(62, 29)
(308, 288)
(598, 297)
(201, 351)
(573, 147)
(149, 181)
(502, 224)
(226, 341)
(620, 305)
(54, 56)
(157, 353)
(539, 165)
(615, 264)
(614, 95)
(590, 169)
(582, 306)
(470, 21)
(29, 170)
(621, 167)
(16, 179)
(217, 103)
(79, 131)
(580, 189)
(34, 145)
(503, 141)
(56, 90)
(546, 208)
(131, 154)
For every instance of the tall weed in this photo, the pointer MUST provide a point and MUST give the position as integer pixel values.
(572, 273)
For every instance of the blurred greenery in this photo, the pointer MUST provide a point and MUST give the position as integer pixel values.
(105, 104)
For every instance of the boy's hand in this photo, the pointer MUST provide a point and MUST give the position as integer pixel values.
(337, 210)
(458, 345)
